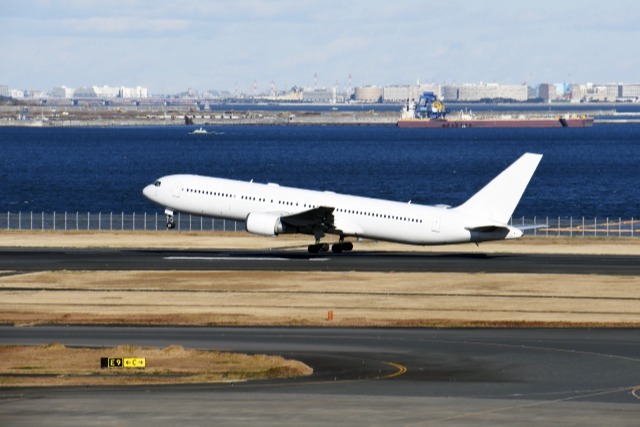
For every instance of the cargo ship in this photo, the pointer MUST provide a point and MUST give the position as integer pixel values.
(429, 112)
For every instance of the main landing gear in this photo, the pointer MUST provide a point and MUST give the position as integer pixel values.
(336, 248)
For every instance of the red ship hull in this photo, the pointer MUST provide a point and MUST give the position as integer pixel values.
(496, 123)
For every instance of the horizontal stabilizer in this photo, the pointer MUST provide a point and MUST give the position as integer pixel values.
(489, 228)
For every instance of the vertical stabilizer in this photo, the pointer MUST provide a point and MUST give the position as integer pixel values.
(499, 198)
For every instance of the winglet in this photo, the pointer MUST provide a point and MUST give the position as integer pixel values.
(498, 199)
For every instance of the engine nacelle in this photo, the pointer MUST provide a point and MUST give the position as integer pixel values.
(266, 224)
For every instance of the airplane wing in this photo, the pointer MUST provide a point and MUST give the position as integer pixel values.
(321, 216)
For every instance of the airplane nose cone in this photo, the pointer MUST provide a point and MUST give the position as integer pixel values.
(149, 192)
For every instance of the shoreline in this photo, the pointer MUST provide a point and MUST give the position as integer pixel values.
(126, 116)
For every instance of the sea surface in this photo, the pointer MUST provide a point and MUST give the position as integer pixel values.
(584, 172)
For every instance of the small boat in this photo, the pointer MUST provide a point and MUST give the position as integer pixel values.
(199, 131)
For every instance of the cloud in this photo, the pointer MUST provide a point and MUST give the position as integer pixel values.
(210, 44)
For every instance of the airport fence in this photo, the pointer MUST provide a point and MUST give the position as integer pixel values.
(69, 221)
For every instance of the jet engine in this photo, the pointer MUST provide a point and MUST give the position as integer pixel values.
(266, 224)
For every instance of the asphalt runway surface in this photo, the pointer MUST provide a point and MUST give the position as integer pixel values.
(152, 259)
(361, 377)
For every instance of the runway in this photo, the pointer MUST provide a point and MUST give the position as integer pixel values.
(150, 259)
(362, 377)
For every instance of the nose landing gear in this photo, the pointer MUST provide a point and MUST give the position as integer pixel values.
(170, 224)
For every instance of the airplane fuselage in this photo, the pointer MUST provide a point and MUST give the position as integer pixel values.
(262, 206)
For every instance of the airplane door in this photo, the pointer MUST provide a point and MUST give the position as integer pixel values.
(435, 225)
(176, 190)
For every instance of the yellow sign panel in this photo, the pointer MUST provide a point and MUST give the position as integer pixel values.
(134, 362)
(123, 362)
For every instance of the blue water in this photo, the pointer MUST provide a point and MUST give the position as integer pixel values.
(584, 172)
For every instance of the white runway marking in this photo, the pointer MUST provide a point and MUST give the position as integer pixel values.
(229, 258)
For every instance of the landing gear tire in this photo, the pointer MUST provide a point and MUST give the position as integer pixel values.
(318, 247)
(341, 247)
(170, 224)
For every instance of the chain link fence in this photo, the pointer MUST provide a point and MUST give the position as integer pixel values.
(545, 226)
(69, 221)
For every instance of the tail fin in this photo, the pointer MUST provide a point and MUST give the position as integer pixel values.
(499, 198)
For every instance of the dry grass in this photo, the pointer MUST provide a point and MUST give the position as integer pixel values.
(55, 364)
(293, 298)
(304, 298)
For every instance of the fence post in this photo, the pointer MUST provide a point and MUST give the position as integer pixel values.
(31, 226)
(133, 221)
(571, 226)
(19, 220)
(547, 229)
(42, 220)
(607, 226)
(595, 226)
(54, 220)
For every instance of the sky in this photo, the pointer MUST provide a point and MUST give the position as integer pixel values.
(236, 45)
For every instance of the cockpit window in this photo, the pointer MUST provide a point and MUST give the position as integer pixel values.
(158, 183)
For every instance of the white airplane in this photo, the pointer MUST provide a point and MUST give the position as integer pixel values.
(270, 209)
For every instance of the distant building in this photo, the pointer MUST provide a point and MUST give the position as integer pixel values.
(62, 92)
(449, 92)
(319, 95)
(133, 92)
(630, 90)
(547, 91)
(104, 92)
(484, 91)
(579, 93)
(401, 93)
(368, 94)
(84, 92)
(4, 90)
